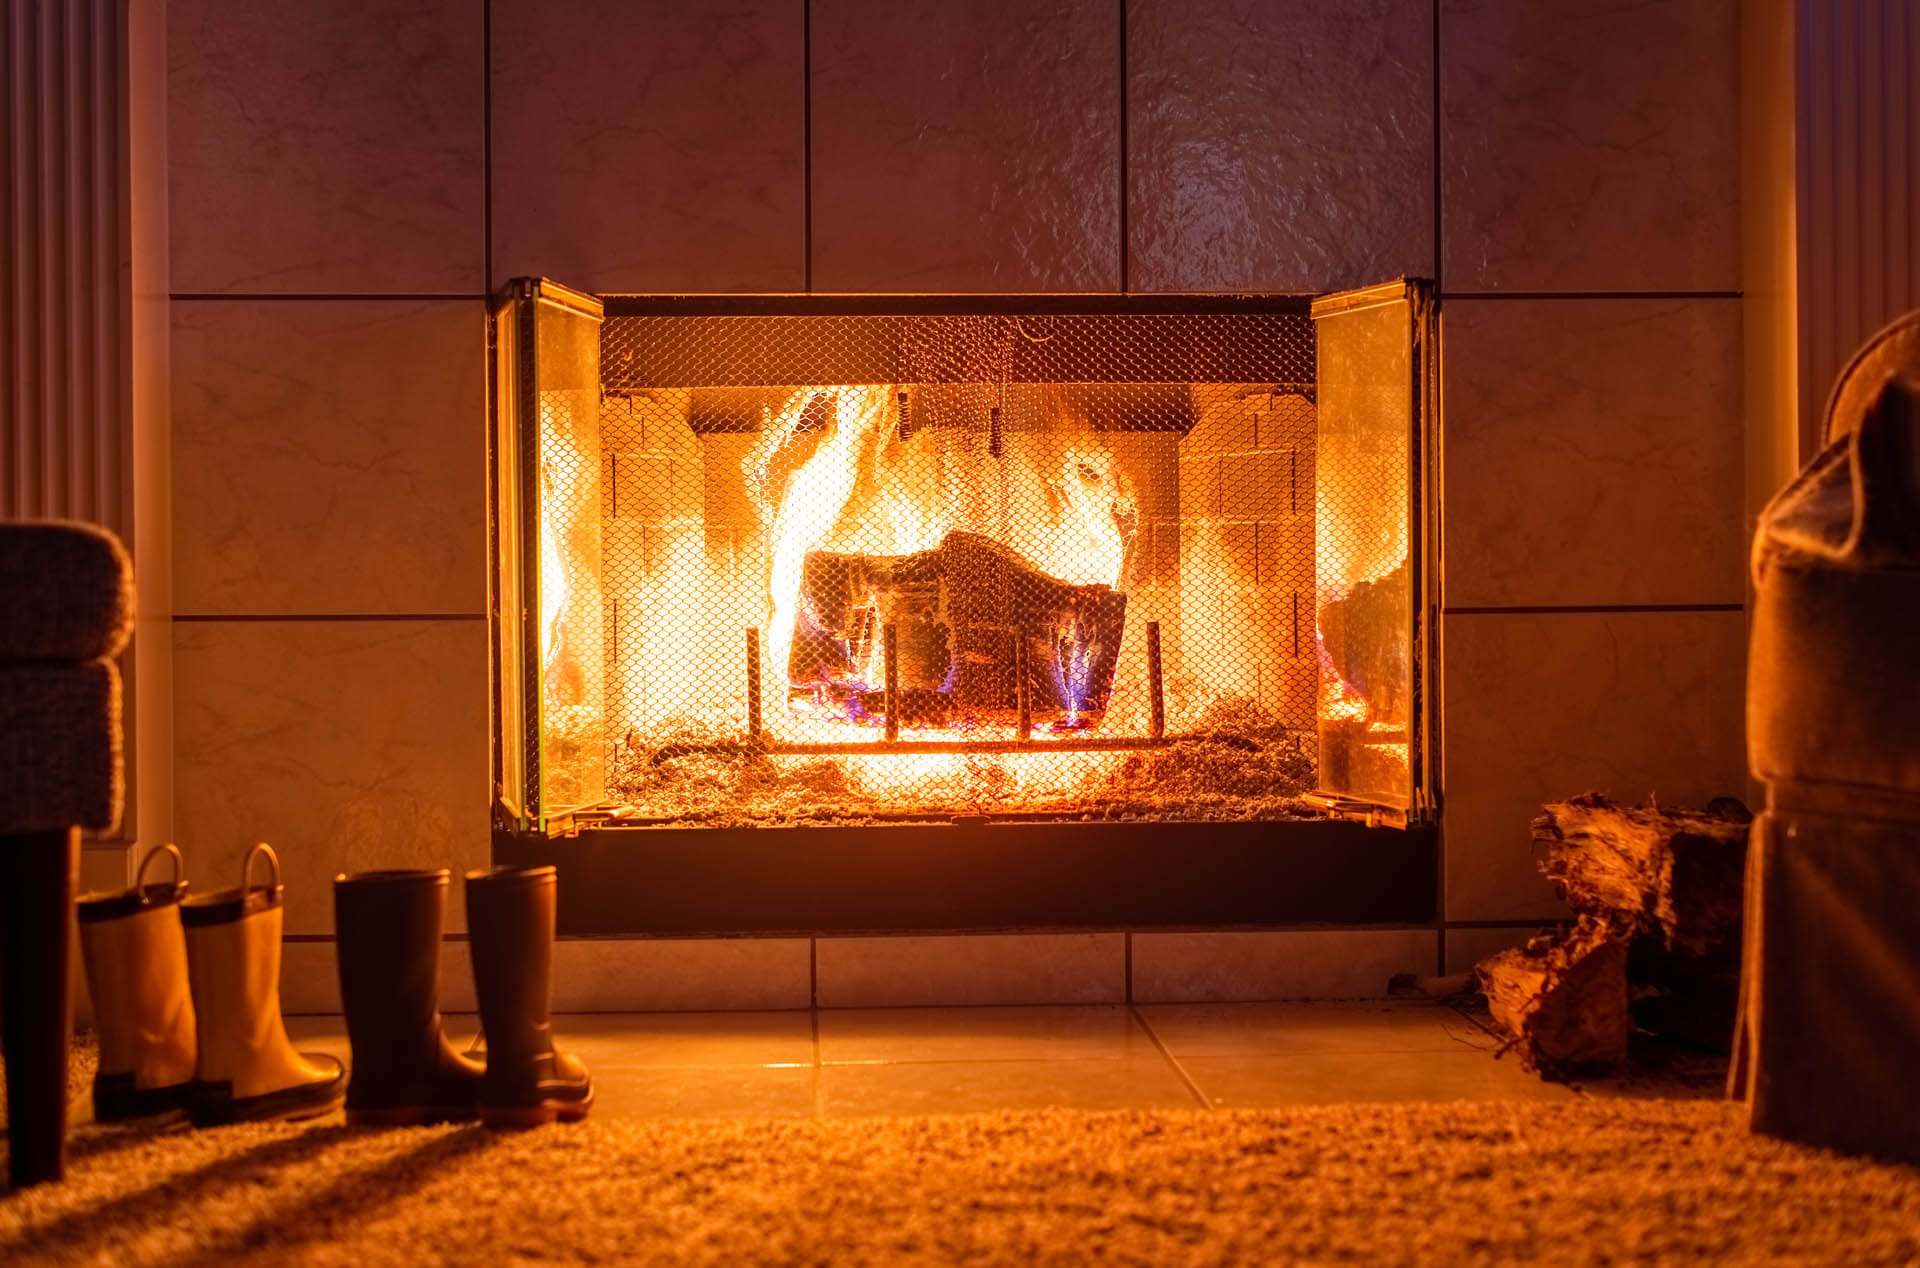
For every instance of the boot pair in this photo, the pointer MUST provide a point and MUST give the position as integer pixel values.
(388, 926)
(186, 999)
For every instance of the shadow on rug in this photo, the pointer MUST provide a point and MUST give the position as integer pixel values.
(1458, 1183)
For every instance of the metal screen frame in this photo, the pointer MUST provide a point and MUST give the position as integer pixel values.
(1420, 802)
(514, 460)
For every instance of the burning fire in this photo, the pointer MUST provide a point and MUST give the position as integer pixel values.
(830, 473)
(802, 475)
(553, 573)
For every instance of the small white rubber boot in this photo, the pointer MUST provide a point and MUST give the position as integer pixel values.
(136, 959)
(247, 1069)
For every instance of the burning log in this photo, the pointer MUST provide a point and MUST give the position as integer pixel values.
(1364, 637)
(961, 612)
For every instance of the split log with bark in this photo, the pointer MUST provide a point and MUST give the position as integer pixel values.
(1562, 999)
(1674, 876)
(1655, 946)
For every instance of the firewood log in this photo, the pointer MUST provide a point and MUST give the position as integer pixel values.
(1674, 875)
(1562, 999)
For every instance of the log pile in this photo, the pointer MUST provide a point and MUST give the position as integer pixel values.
(1655, 945)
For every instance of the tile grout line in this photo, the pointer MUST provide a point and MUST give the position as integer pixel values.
(1125, 233)
(806, 142)
(486, 143)
(324, 297)
(819, 1067)
(813, 1022)
(1439, 175)
(1590, 609)
(1193, 1089)
(1591, 295)
(193, 618)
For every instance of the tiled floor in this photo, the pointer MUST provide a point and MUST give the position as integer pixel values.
(855, 1062)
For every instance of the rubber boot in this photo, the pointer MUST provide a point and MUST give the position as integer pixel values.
(404, 1070)
(247, 1070)
(510, 921)
(136, 959)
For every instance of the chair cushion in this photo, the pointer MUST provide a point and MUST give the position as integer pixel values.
(68, 588)
(60, 761)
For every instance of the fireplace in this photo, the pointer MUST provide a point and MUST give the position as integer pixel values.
(907, 612)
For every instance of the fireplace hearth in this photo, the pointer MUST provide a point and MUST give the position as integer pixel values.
(912, 612)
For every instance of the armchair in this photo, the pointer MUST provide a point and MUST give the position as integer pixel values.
(66, 609)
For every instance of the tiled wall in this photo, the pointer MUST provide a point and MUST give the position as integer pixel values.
(348, 182)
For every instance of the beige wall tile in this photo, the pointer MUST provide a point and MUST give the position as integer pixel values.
(346, 744)
(329, 457)
(1589, 145)
(326, 148)
(106, 866)
(1262, 965)
(1278, 147)
(966, 146)
(1593, 452)
(1467, 947)
(1033, 968)
(633, 975)
(649, 145)
(1540, 707)
(309, 979)
(456, 973)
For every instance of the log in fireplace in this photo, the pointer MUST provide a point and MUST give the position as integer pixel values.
(825, 612)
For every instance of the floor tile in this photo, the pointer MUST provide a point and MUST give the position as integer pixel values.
(976, 969)
(1326, 1078)
(979, 1034)
(328, 1034)
(667, 1040)
(705, 1092)
(966, 1087)
(1228, 1030)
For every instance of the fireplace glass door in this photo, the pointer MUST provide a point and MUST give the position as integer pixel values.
(800, 560)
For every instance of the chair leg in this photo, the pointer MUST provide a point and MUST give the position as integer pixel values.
(37, 873)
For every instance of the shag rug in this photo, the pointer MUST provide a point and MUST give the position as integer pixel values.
(1585, 1182)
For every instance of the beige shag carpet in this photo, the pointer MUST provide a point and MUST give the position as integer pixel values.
(83, 1058)
(1589, 1182)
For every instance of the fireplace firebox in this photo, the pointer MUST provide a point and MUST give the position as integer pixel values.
(944, 612)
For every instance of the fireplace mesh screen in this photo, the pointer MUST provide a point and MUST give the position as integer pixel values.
(808, 567)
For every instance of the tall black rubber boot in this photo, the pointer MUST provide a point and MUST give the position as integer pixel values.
(388, 926)
(510, 922)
